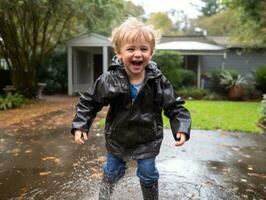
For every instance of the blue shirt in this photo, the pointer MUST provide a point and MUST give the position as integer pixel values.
(134, 90)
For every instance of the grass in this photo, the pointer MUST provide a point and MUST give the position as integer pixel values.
(225, 115)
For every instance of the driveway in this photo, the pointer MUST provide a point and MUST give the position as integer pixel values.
(45, 163)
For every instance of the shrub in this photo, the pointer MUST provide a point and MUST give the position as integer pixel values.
(259, 76)
(196, 93)
(212, 96)
(11, 101)
(251, 92)
(215, 80)
(170, 64)
(54, 72)
(168, 59)
(187, 78)
(229, 80)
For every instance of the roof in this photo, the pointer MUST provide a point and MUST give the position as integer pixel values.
(191, 47)
(195, 38)
(188, 46)
(222, 41)
(91, 39)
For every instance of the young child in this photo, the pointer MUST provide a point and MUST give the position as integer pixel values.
(136, 92)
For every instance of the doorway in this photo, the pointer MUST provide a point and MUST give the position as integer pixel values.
(97, 65)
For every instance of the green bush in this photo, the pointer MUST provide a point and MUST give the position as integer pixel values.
(168, 59)
(187, 77)
(197, 93)
(216, 80)
(54, 72)
(11, 101)
(170, 63)
(259, 76)
(229, 80)
(212, 96)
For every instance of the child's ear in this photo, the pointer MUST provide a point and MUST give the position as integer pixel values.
(119, 55)
(151, 55)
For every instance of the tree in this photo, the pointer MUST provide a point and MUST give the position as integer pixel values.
(211, 7)
(110, 15)
(161, 22)
(32, 29)
(252, 17)
(104, 15)
(133, 10)
(222, 23)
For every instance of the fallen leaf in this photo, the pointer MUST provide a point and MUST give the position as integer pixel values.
(49, 158)
(235, 148)
(15, 151)
(45, 173)
(57, 161)
(60, 174)
(28, 151)
(257, 175)
(244, 180)
(75, 164)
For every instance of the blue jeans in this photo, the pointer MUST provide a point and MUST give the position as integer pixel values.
(114, 169)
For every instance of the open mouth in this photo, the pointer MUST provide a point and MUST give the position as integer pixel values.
(137, 63)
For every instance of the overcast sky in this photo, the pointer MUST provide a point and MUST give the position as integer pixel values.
(166, 5)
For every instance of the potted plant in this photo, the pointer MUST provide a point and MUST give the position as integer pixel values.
(261, 123)
(233, 83)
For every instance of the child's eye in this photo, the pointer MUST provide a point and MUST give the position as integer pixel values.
(144, 49)
(130, 49)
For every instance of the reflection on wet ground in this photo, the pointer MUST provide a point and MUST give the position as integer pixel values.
(212, 165)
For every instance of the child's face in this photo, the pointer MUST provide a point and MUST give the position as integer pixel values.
(135, 56)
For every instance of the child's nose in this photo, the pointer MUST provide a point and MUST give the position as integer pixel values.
(137, 53)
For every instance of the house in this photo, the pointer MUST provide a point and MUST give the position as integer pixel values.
(203, 54)
(90, 55)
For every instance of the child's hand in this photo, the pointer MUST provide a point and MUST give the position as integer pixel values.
(78, 137)
(181, 139)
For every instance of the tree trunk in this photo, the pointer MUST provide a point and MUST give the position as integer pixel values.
(25, 82)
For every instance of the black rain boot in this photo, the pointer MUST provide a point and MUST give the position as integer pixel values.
(150, 192)
(106, 189)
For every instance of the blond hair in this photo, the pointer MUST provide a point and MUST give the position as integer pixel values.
(131, 30)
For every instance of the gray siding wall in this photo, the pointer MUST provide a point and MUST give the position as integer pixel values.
(211, 62)
(243, 62)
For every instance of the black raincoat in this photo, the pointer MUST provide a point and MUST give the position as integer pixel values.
(133, 129)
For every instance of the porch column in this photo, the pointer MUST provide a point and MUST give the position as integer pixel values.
(199, 72)
(224, 58)
(70, 70)
(105, 59)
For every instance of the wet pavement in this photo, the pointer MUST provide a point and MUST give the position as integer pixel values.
(212, 165)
